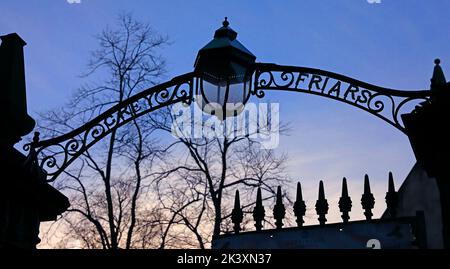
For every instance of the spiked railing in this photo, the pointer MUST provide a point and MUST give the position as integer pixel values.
(321, 206)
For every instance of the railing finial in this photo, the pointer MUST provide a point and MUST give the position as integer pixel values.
(258, 211)
(322, 205)
(367, 199)
(345, 202)
(237, 215)
(299, 206)
(391, 198)
(279, 210)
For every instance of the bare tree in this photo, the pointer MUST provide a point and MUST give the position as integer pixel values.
(208, 170)
(105, 186)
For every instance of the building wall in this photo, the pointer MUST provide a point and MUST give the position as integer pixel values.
(419, 192)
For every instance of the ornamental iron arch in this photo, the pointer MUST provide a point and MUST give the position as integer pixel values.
(226, 58)
(56, 154)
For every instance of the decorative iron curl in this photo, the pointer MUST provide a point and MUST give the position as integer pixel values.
(262, 81)
(416, 100)
(50, 161)
(382, 102)
(72, 147)
(376, 105)
(287, 79)
(56, 154)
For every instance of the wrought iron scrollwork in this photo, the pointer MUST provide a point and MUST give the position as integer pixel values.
(55, 155)
(382, 102)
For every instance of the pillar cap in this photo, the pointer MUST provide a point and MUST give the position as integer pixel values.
(13, 37)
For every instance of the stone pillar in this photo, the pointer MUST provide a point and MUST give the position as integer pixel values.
(25, 197)
(427, 128)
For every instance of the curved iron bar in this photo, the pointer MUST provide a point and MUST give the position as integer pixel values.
(382, 102)
(76, 142)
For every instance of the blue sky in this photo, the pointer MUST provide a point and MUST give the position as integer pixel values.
(391, 44)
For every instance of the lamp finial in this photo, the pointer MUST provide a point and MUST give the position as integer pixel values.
(225, 23)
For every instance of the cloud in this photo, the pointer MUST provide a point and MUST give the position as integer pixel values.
(74, 1)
